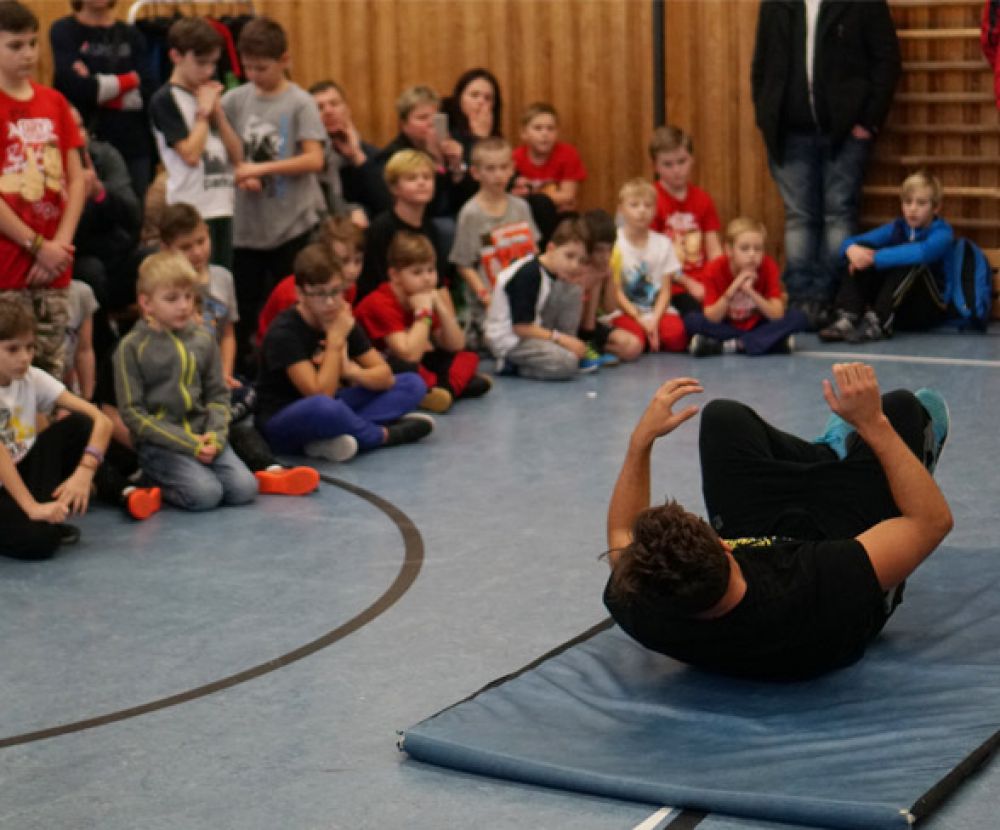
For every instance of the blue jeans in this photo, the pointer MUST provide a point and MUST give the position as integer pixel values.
(821, 189)
(354, 411)
(187, 483)
(761, 339)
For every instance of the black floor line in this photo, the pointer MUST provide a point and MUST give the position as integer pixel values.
(412, 561)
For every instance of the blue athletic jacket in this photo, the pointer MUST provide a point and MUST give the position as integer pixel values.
(897, 244)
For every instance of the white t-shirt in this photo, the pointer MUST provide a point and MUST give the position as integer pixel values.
(20, 403)
(640, 271)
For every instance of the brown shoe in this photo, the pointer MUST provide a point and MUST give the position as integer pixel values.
(288, 481)
(437, 400)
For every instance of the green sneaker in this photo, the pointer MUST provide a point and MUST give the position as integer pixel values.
(590, 362)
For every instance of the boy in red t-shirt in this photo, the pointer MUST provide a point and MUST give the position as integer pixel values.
(744, 306)
(684, 212)
(347, 244)
(413, 322)
(42, 189)
(543, 163)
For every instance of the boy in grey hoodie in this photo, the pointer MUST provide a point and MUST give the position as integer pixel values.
(172, 397)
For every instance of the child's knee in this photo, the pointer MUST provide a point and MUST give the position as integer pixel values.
(625, 345)
(410, 385)
(241, 488)
(201, 493)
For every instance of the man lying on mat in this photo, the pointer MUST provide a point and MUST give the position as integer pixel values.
(809, 543)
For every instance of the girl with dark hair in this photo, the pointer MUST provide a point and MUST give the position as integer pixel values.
(475, 107)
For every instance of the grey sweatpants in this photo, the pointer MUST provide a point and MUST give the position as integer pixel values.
(543, 359)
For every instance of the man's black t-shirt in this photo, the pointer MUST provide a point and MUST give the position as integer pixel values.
(290, 340)
(809, 608)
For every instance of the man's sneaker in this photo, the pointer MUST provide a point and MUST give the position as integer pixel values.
(840, 330)
(608, 359)
(784, 346)
(835, 434)
(438, 399)
(142, 502)
(287, 481)
(68, 534)
(939, 426)
(477, 386)
(411, 427)
(590, 362)
(341, 448)
(869, 329)
(704, 346)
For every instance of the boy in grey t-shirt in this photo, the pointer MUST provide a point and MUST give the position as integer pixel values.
(278, 198)
(494, 228)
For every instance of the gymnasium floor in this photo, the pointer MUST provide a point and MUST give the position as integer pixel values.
(249, 667)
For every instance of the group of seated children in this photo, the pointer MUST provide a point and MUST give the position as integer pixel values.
(355, 335)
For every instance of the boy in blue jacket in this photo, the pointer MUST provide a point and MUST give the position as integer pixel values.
(895, 273)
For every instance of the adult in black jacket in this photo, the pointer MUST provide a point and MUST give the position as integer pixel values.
(823, 77)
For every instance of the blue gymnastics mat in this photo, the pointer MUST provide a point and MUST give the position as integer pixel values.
(877, 745)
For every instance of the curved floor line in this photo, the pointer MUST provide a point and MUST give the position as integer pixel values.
(412, 561)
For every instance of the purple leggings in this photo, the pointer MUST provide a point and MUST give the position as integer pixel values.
(354, 411)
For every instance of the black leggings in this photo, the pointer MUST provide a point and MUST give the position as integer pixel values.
(760, 481)
(54, 455)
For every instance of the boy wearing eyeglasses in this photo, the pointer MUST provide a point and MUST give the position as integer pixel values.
(323, 390)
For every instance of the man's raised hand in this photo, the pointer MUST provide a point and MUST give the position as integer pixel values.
(659, 418)
(854, 394)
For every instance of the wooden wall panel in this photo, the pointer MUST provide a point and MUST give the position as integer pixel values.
(591, 58)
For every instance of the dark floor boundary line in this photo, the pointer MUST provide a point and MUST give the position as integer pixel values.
(687, 820)
(412, 561)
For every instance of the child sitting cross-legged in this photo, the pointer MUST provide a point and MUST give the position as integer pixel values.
(44, 476)
(413, 322)
(744, 308)
(323, 389)
(537, 304)
(172, 396)
(644, 265)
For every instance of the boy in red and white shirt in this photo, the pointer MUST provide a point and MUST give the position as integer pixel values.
(685, 213)
(42, 189)
(413, 323)
(744, 307)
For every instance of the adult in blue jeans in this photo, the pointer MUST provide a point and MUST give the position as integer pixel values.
(823, 77)
(323, 389)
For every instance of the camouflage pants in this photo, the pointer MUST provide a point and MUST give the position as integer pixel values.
(50, 308)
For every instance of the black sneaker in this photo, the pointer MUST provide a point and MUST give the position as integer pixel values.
(840, 330)
(68, 534)
(411, 427)
(478, 386)
(784, 346)
(703, 346)
(869, 329)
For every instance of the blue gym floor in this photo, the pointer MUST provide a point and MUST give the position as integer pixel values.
(249, 667)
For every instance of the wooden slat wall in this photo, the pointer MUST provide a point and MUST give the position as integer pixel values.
(709, 48)
(591, 58)
(944, 119)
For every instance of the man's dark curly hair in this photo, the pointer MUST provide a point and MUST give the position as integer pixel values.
(675, 557)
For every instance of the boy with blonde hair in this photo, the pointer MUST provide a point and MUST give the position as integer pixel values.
(543, 163)
(414, 324)
(44, 188)
(172, 396)
(684, 212)
(278, 197)
(744, 307)
(644, 266)
(895, 273)
(409, 175)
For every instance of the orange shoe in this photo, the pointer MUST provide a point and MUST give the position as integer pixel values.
(288, 481)
(143, 502)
